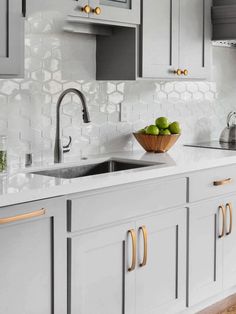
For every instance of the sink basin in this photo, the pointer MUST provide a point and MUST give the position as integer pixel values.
(107, 166)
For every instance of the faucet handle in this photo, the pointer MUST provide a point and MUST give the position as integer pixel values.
(66, 148)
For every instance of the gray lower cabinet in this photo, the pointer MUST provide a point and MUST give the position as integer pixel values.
(175, 39)
(99, 280)
(205, 251)
(161, 279)
(11, 38)
(137, 267)
(212, 251)
(33, 258)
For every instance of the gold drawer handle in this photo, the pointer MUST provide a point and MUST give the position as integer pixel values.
(143, 229)
(37, 213)
(223, 182)
(134, 249)
(184, 72)
(229, 206)
(222, 209)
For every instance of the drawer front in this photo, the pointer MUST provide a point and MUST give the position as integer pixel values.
(211, 183)
(109, 206)
(23, 212)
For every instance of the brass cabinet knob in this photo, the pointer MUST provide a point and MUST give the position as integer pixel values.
(86, 9)
(178, 72)
(97, 11)
(184, 72)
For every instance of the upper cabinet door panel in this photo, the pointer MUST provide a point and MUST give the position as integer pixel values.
(195, 37)
(160, 38)
(11, 37)
(123, 11)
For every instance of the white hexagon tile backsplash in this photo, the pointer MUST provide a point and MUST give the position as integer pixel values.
(27, 106)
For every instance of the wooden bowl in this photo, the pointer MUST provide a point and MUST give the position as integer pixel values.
(156, 143)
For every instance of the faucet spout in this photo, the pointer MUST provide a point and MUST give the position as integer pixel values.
(59, 150)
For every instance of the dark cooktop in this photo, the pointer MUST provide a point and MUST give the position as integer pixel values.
(214, 145)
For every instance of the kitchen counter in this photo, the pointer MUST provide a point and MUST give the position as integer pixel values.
(21, 186)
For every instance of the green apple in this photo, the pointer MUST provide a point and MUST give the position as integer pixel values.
(152, 130)
(175, 128)
(165, 132)
(142, 131)
(162, 123)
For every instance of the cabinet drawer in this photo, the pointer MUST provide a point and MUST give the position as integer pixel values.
(24, 212)
(211, 183)
(112, 205)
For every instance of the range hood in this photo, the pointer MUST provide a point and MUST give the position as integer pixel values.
(224, 23)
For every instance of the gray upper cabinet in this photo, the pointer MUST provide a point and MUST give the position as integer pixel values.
(195, 37)
(109, 11)
(159, 51)
(33, 258)
(11, 38)
(175, 39)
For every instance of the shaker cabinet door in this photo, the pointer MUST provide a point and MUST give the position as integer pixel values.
(159, 53)
(161, 267)
(195, 38)
(98, 272)
(33, 258)
(11, 38)
(205, 250)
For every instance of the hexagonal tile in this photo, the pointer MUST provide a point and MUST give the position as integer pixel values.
(41, 75)
(192, 87)
(52, 87)
(116, 98)
(7, 87)
(168, 87)
(111, 87)
(210, 96)
(51, 64)
(180, 87)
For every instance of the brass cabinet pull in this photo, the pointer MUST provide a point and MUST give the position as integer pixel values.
(86, 9)
(134, 249)
(184, 72)
(223, 182)
(178, 72)
(229, 206)
(97, 11)
(34, 214)
(143, 229)
(222, 209)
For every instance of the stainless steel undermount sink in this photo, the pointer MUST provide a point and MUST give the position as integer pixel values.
(108, 166)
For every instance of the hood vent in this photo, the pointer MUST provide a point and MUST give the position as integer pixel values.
(224, 23)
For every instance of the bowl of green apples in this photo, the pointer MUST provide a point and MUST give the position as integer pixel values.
(159, 137)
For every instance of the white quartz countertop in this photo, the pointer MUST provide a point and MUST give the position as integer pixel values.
(21, 186)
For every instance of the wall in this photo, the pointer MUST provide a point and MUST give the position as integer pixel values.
(55, 60)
